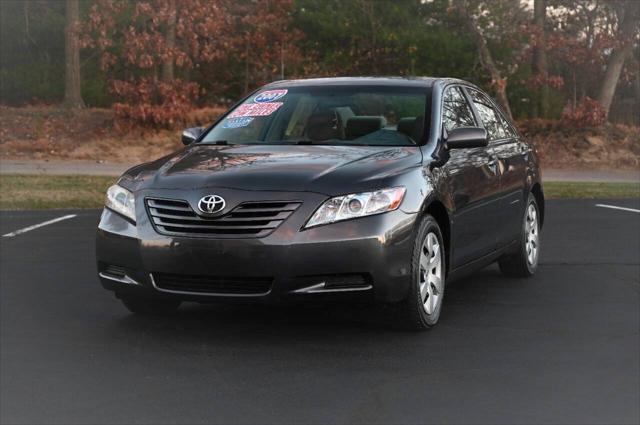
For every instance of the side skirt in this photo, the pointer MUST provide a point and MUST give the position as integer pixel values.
(480, 263)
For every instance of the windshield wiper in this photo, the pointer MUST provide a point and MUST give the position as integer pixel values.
(288, 142)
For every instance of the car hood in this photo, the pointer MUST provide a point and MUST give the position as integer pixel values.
(324, 169)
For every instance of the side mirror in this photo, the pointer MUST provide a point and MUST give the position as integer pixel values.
(467, 137)
(191, 134)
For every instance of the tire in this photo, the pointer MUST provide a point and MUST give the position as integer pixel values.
(421, 308)
(524, 262)
(150, 306)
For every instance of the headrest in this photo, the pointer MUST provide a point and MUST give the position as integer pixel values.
(362, 125)
(322, 126)
(412, 127)
(406, 125)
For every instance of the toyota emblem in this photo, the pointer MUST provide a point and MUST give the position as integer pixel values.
(211, 204)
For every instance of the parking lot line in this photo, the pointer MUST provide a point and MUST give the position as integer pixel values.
(613, 207)
(35, 226)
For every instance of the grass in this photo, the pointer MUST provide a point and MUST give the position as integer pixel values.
(590, 190)
(41, 192)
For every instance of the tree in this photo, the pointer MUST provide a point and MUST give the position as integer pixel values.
(141, 44)
(363, 37)
(486, 59)
(540, 67)
(72, 90)
(170, 34)
(162, 55)
(157, 59)
(628, 17)
(264, 40)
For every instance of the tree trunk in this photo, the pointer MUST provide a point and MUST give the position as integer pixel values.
(618, 56)
(282, 49)
(540, 66)
(636, 89)
(167, 65)
(27, 31)
(72, 93)
(246, 64)
(486, 59)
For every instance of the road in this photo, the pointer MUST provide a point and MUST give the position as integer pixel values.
(561, 347)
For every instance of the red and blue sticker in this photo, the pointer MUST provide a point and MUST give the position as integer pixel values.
(255, 109)
(264, 105)
(269, 96)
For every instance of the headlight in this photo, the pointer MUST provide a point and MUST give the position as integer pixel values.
(121, 201)
(357, 205)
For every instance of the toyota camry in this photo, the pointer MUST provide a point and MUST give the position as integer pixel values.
(361, 189)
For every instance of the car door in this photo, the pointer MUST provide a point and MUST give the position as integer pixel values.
(509, 153)
(512, 155)
(473, 186)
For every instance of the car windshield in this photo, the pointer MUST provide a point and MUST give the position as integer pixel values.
(384, 116)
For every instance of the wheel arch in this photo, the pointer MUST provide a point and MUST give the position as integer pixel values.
(438, 211)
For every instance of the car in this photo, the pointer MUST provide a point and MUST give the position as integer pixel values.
(373, 190)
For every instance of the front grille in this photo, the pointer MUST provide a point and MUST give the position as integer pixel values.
(212, 284)
(247, 220)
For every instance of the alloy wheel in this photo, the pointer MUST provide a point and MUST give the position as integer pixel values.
(430, 276)
(532, 236)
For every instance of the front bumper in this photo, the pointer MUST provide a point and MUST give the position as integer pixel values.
(298, 263)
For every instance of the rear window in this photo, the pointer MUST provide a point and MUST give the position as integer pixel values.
(386, 116)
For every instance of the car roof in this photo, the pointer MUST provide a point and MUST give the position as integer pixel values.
(363, 81)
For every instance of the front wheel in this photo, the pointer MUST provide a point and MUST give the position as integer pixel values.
(421, 308)
(524, 262)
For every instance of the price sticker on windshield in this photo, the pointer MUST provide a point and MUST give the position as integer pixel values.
(255, 109)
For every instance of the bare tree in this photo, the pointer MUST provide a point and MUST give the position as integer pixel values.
(72, 91)
(540, 64)
(628, 25)
(484, 54)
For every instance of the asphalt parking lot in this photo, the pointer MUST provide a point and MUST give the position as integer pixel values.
(562, 347)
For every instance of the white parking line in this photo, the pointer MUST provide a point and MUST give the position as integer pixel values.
(35, 226)
(613, 207)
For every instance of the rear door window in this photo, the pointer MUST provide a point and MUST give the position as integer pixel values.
(508, 128)
(456, 112)
(491, 118)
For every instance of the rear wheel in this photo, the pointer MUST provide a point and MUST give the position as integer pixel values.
(524, 262)
(150, 306)
(421, 308)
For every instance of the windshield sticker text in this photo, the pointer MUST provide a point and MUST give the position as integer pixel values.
(237, 122)
(269, 96)
(255, 109)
